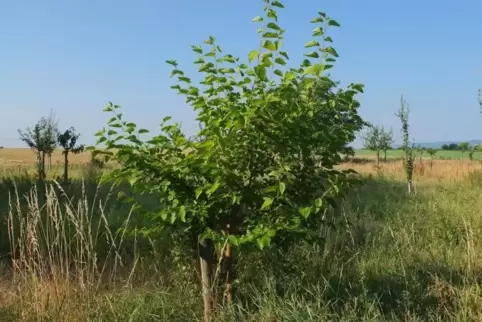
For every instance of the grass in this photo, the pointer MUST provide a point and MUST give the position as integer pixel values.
(393, 257)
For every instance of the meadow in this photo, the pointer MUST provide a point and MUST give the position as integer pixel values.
(389, 257)
(441, 154)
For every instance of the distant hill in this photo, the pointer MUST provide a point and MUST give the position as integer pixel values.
(438, 145)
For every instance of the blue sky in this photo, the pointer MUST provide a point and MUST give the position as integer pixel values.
(73, 56)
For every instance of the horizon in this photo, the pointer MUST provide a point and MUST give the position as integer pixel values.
(73, 57)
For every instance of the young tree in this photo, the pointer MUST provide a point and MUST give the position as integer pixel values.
(68, 141)
(51, 134)
(403, 114)
(432, 153)
(253, 176)
(40, 140)
(464, 147)
(374, 140)
(386, 142)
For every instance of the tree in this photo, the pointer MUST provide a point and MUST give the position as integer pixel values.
(386, 142)
(68, 141)
(403, 114)
(51, 134)
(432, 153)
(253, 174)
(374, 140)
(464, 147)
(40, 140)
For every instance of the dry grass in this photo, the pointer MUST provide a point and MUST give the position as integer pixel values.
(15, 157)
(442, 171)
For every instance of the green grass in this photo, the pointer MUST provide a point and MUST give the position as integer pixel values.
(391, 257)
(441, 154)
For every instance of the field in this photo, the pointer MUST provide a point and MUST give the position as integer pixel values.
(441, 154)
(392, 257)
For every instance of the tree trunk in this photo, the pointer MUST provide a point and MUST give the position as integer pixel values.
(409, 186)
(228, 262)
(66, 166)
(378, 157)
(206, 258)
(50, 161)
(42, 166)
(39, 165)
(385, 156)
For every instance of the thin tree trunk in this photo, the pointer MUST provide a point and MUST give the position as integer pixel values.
(50, 161)
(385, 156)
(42, 166)
(206, 258)
(378, 157)
(228, 261)
(66, 167)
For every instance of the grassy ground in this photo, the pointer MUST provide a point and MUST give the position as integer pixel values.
(393, 257)
(440, 154)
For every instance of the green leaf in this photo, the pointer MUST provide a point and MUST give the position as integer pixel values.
(278, 72)
(318, 31)
(280, 61)
(166, 119)
(334, 23)
(198, 192)
(305, 212)
(315, 70)
(312, 43)
(270, 34)
(267, 203)
(284, 54)
(252, 55)
(172, 62)
(312, 54)
(282, 188)
(257, 19)
(260, 71)
(277, 4)
(330, 50)
(273, 26)
(141, 131)
(317, 20)
(182, 213)
(269, 45)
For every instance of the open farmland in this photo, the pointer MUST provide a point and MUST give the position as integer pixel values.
(441, 154)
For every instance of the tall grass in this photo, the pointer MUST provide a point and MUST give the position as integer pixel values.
(393, 257)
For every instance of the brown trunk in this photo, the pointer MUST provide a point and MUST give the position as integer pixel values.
(378, 157)
(50, 161)
(66, 166)
(42, 167)
(385, 156)
(228, 261)
(206, 258)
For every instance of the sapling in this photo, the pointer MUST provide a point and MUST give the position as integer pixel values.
(252, 174)
(403, 114)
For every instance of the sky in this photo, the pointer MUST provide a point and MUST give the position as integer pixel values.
(73, 56)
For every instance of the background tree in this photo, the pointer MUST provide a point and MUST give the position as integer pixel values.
(68, 142)
(253, 177)
(374, 140)
(51, 134)
(386, 142)
(432, 152)
(403, 114)
(464, 147)
(40, 140)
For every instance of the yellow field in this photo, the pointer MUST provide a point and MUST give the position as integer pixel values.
(26, 157)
